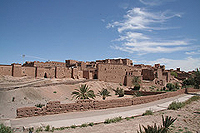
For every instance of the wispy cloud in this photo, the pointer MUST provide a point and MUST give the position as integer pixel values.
(173, 64)
(193, 52)
(141, 19)
(133, 32)
(154, 2)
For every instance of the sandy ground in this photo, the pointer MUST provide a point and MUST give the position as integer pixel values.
(44, 92)
(188, 119)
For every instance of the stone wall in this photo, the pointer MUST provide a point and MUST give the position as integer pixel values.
(55, 107)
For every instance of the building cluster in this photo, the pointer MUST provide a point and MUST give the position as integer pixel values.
(120, 71)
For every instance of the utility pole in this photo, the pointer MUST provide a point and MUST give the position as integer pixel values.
(23, 56)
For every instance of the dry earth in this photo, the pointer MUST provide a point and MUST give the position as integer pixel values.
(28, 91)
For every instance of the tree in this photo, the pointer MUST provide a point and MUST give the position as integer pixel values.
(104, 93)
(174, 74)
(83, 92)
(194, 80)
(170, 86)
(197, 79)
(119, 91)
(136, 82)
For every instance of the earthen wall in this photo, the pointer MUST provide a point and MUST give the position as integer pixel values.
(28, 71)
(5, 70)
(55, 107)
(16, 70)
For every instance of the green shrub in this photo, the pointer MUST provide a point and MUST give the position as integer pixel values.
(113, 120)
(127, 118)
(119, 91)
(54, 92)
(91, 124)
(73, 126)
(194, 98)
(5, 129)
(47, 128)
(137, 87)
(84, 125)
(176, 105)
(166, 123)
(137, 94)
(148, 112)
(170, 86)
(52, 129)
(39, 129)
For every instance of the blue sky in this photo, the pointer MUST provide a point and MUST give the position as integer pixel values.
(145, 31)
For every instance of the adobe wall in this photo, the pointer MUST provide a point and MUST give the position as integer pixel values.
(87, 75)
(39, 72)
(16, 70)
(54, 107)
(148, 74)
(28, 71)
(5, 70)
(49, 72)
(113, 72)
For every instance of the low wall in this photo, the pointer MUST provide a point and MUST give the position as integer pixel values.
(143, 93)
(55, 107)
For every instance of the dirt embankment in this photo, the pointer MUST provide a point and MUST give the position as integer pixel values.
(35, 91)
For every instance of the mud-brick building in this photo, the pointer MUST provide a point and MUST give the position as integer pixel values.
(109, 70)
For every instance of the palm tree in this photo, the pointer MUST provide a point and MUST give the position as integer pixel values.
(136, 82)
(83, 92)
(104, 93)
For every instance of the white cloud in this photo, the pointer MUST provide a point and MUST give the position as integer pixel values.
(141, 19)
(135, 26)
(154, 2)
(187, 64)
(193, 52)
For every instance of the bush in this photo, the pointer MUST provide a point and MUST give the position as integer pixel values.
(113, 120)
(47, 128)
(119, 91)
(39, 129)
(194, 98)
(148, 112)
(166, 123)
(137, 87)
(91, 124)
(84, 125)
(170, 86)
(176, 105)
(5, 129)
(73, 126)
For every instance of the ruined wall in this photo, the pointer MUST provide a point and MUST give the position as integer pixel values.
(6, 70)
(55, 107)
(16, 70)
(28, 71)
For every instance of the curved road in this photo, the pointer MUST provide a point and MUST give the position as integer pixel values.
(96, 116)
